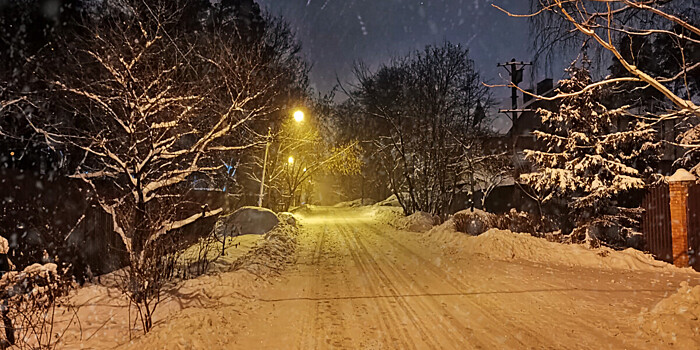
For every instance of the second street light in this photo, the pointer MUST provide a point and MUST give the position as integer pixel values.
(298, 117)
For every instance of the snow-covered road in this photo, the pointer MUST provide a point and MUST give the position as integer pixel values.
(361, 284)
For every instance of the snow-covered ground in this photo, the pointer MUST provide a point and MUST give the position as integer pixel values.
(355, 282)
(100, 318)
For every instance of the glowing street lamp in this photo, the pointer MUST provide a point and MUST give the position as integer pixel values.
(290, 160)
(299, 116)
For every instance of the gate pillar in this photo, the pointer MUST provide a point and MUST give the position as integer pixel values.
(679, 187)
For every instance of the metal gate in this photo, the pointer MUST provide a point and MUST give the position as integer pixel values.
(656, 222)
(694, 226)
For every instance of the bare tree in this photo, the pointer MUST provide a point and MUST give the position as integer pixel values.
(149, 98)
(427, 103)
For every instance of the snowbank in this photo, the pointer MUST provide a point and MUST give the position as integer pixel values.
(416, 222)
(303, 209)
(271, 254)
(287, 218)
(675, 319)
(506, 245)
(103, 315)
(392, 201)
(253, 220)
(355, 203)
(387, 215)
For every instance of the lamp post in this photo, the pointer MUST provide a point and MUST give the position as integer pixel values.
(262, 179)
(298, 117)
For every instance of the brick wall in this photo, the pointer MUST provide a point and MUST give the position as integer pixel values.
(679, 221)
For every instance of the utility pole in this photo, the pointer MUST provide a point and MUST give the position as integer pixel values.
(262, 179)
(515, 69)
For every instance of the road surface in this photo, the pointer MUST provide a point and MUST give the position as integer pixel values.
(359, 284)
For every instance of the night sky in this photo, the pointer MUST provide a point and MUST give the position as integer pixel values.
(335, 33)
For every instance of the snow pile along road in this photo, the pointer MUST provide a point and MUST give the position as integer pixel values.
(214, 320)
(506, 245)
(253, 220)
(416, 222)
(474, 221)
(675, 319)
(355, 203)
(272, 254)
(103, 311)
(387, 215)
(393, 200)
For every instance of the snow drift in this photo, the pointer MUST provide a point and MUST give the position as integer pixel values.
(287, 218)
(507, 245)
(675, 319)
(355, 203)
(103, 309)
(416, 222)
(253, 220)
(473, 222)
(393, 201)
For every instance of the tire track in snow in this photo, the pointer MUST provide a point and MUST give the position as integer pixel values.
(421, 315)
(309, 334)
(493, 323)
(450, 332)
(498, 320)
(389, 318)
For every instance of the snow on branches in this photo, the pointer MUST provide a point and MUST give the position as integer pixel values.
(589, 155)
(655, 47)
(146, 96)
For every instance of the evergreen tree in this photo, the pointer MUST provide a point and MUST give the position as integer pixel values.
(589, 157)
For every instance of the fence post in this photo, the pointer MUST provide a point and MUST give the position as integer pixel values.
(679, 186)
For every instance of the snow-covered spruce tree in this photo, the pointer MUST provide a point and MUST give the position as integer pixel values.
(589, 156)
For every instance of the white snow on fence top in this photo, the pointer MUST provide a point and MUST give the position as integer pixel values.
(682, 175)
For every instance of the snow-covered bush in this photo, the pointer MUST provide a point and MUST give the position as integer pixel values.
(589, 156)
(478, 221)
(519, 221)
(474, 222)
(29, 300)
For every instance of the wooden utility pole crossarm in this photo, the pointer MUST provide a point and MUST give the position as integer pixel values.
(515, 69)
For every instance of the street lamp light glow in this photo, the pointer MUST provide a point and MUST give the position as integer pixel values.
(290, 160)
(299, 116)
